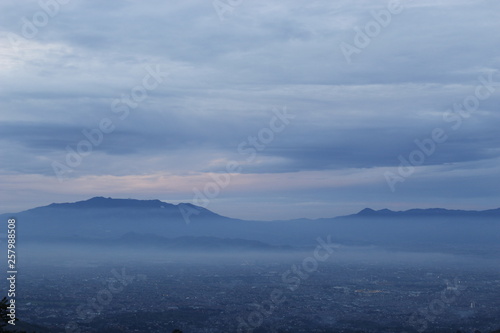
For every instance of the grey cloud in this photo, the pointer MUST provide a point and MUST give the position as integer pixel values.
(225, 78)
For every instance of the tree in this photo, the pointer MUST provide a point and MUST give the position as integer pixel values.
(4, 319)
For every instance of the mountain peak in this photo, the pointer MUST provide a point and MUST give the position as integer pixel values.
(130, 205)
(367, 212)
(102, 202)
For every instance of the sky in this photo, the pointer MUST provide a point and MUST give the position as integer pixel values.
(252, 109)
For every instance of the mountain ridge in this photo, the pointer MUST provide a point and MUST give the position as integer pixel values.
(104, 219)
(425, 212)
(100, 202)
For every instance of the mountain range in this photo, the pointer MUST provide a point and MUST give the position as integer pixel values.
(113, 221)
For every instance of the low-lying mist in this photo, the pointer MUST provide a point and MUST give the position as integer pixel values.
(50, 255)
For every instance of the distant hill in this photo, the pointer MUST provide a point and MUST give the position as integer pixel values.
(135, 205)
(104, 218)
(187, 243)
(430, 212)
(128, 205)
(108, 220)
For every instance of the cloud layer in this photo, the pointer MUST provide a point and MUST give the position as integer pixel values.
(67, 66)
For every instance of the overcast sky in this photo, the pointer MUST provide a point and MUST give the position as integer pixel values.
(298, 108)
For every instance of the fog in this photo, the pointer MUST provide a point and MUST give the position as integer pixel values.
(66, 255)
